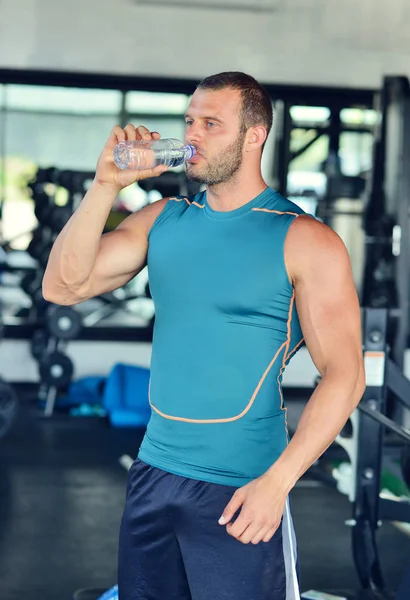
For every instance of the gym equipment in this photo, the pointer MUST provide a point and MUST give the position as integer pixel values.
(56, 369)
(365, 450)
(63, 322)
(386, 221)
(8, 407)
(39, 344)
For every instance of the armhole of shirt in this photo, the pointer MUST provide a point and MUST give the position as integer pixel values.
(290, 220)
(172, 203)
(288, 226)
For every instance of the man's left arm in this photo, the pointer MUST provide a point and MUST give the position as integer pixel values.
(319, 268)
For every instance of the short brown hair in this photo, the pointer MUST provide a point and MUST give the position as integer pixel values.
(256, 106)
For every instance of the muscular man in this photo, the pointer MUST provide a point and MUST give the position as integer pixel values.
(241, 279)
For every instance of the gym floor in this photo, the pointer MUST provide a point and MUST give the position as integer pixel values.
(62, 493)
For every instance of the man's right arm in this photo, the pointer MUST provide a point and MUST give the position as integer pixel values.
(83, 262)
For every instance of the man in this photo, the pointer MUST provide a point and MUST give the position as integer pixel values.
(240, 278)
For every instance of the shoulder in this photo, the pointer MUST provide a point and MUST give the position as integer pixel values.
(149, 214)
(311, 245)
(285, 206)
(308, 231)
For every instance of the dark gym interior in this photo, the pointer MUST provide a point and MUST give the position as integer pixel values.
(74, 379)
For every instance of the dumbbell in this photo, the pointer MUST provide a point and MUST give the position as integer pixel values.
(63, 322)
(56, 369)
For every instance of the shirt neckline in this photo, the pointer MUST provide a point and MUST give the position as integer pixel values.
(237, 212)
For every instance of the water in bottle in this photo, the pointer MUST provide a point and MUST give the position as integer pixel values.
(147, 154)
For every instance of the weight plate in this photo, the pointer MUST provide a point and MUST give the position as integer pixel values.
(8, 407)
(56, 369)
(64, 322)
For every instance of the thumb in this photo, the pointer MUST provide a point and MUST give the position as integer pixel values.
(231, 508)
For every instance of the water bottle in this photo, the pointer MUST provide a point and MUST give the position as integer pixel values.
(147, 154)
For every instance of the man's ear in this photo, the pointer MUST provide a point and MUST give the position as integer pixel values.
(255, 138)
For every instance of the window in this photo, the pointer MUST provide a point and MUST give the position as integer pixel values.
(355, 153)
(43, 127)
(152, 103)
(312, 115)
(358, 116)
(306, 182)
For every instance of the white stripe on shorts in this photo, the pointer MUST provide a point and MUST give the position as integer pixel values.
(290, 555)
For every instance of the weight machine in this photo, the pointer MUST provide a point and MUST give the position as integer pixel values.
(385, 407)
(370, 424)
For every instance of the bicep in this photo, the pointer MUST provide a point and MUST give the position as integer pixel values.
(122, 254)
(325, 295)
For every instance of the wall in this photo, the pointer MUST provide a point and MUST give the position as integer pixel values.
(310, 42)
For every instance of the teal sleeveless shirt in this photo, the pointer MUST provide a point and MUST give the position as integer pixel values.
(225, 328)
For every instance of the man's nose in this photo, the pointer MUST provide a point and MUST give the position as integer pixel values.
(193, 134)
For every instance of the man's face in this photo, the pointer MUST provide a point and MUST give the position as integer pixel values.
(213, 128)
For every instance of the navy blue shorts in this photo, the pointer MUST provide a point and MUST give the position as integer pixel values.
(172, 547)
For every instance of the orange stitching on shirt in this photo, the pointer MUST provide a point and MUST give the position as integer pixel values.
(286, 357)
(175, 199)
(229, 419)
(282, 370)
(278, 212)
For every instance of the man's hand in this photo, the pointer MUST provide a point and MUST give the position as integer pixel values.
(262, 504)
(108, 174)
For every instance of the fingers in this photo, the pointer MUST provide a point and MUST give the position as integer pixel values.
(142, 133)
(118, 134)
(259, 536)
(133, 133)
(269, 535)
(247, 529)
(238, 528)
(253, 533)
(232, 507)
(130, 132)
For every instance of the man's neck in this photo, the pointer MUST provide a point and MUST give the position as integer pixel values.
(234, 193)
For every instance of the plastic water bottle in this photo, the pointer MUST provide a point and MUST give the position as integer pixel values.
(147, 154)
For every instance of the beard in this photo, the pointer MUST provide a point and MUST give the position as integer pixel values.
(221, 168)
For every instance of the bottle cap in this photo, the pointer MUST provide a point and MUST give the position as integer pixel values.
(191, 151)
